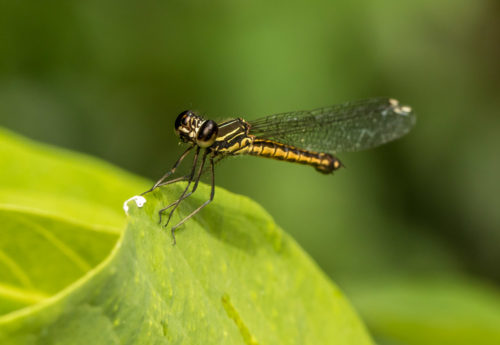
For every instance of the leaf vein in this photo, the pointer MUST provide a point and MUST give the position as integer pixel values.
(16, 270)
(58, 244)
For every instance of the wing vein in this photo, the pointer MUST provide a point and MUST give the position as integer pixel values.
(351, 126)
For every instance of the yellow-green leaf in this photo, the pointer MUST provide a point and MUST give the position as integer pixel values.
(70, 276)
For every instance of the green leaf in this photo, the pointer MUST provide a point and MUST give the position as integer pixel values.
(431, 311)
(70, 276)
(41, 255)
(63, 183)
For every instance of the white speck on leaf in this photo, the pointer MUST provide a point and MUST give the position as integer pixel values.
(139, 201)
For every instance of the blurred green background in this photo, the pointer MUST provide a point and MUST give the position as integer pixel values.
(109, 78)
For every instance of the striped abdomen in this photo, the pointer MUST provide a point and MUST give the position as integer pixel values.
(323, 162)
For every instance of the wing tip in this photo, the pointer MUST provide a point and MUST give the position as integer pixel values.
(404, 110)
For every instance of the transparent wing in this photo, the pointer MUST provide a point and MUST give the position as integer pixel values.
(351, 126)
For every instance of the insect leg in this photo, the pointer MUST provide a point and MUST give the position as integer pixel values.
(177, 179)
(212, 194)
(190, 179)
(170, 172)
(196, 180)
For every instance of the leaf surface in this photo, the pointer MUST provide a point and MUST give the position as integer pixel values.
(69, 275)
(429, 310)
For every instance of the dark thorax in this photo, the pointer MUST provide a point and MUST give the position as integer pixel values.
(233, 137)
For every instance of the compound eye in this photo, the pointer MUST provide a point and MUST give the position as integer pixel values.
(207, 133)
(183, 119)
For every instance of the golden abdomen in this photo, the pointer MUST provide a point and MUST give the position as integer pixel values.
(323, 162)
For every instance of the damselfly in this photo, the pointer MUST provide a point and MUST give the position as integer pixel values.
(304, 137)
